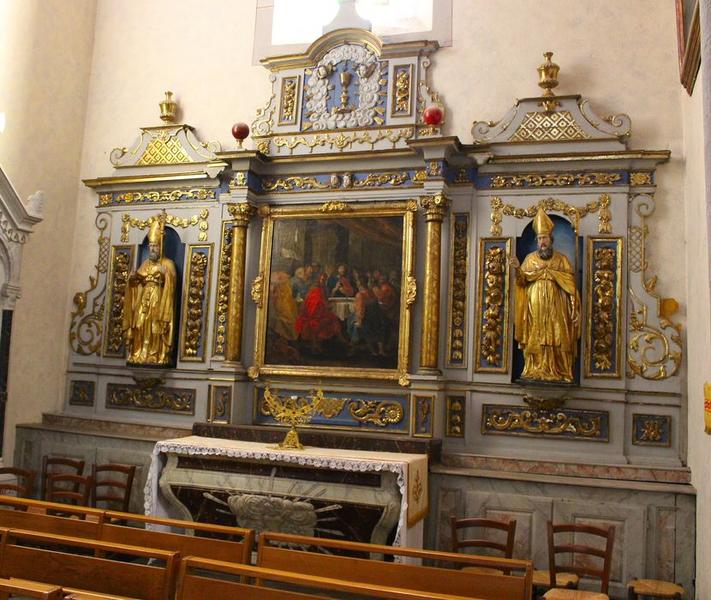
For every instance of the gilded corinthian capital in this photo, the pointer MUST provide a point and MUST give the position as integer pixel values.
(241, 213)
(434, 206)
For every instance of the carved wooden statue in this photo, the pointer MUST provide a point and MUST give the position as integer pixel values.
(547, 309)
(149, 308)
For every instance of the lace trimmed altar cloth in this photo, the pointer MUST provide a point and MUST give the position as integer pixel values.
(410, 471)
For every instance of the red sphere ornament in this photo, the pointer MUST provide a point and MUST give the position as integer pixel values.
(432, 115)
(240, 131)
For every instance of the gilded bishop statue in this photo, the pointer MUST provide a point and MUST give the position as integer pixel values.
(149, 305)
(547, 309)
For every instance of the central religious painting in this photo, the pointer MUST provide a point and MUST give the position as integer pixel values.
(338, 285)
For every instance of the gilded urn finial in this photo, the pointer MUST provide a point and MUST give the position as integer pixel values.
(168, 108)
(548, 79)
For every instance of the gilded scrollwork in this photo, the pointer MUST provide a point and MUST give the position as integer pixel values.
(651, 353)
(157, 196)
(194, 318)
(258, 290)
(223, 289)
(381, 413)
(402, 84)
(150, 396)
(121, 263)
(287, 111)
(85, 329)
(574, 213)
(456, 338)
(411, 290)
(378, 179)
(554, 179)
(564, 423)
(199, 219)
(289, 184)
(334, 206)
(341, 141)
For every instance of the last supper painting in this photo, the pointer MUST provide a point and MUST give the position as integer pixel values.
(336, 294)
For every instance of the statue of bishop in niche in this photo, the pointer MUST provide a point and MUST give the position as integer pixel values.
(547, 309)
(149, 305)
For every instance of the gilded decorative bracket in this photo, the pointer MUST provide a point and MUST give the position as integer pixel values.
(200, 220)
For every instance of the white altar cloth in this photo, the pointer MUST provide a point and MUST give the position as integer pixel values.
(410, 470)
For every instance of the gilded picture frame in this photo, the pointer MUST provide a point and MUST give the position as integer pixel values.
(401, 217)
(688, 31)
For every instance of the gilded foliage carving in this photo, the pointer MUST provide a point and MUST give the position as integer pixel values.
(150, 396)
(199, 219)
(194, 311)
(456, 344)
(554, 179)
(122, 258)
(604, 303)
(381, 413)
(568, 423)
(157, 196)
(289, 184)
(223, 289)
(455, 416)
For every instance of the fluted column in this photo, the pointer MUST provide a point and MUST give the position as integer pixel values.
(241, 213)
(435, 208)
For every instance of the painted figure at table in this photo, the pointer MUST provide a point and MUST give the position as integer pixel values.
(149, 305)
(340, 285)
(547, 309)
(316, 322)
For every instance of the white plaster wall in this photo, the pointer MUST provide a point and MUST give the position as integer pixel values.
(699, 314)
(45, 51)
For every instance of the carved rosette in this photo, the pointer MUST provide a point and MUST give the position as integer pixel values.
(121, 265)
(223, 288)
(195, 303)
(457, 318)
(85, 329)
(604, 285)
(492, 306)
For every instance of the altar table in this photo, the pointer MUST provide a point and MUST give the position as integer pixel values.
(408, 472)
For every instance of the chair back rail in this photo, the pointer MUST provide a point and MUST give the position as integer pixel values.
(584, 570)
(198, 587)
(50, 559)
(76, 491)
(52, 465)
(507, 527)
(108, 488)
(25, 481)
(274, 553)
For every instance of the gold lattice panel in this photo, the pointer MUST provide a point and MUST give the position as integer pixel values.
(635, 248)
(164, 152)
(548, 127)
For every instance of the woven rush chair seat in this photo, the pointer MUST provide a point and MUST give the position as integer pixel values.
(562, 594)
(562, 580)
(656, 588)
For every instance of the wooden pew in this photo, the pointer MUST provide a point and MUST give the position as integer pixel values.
(12, 588)
(35, 515)
(216, 548)
(55, 559)
(253, 583)
(351, 560)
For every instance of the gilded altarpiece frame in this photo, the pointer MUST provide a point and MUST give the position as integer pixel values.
(120, 265)
(196, 295)
(603, 339)
(492, 328)
(337, 212)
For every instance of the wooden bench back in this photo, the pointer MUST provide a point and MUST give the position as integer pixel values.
(116, 528)
(57, 560)
(13, 588)
(257, 583)
(279, 551)
(58, 525)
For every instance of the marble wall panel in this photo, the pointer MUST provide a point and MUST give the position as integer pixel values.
(449, 502)
(629, 521)
(531, 514)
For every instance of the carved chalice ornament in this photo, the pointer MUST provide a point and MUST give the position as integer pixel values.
(293, 411)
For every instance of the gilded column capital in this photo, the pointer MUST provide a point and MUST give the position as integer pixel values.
(435, 206)
(242, 213)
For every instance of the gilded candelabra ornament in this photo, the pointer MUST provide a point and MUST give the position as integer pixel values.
(292, 411)
(547, 309)
(149, 305)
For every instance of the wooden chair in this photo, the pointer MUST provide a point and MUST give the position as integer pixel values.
(654, 588)
(202, 579)
(112, 485)
(581, 569)
(55, 465)
(506, 548)
(25, 482)
(79, 564)
(402, 567)
(69, 489)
